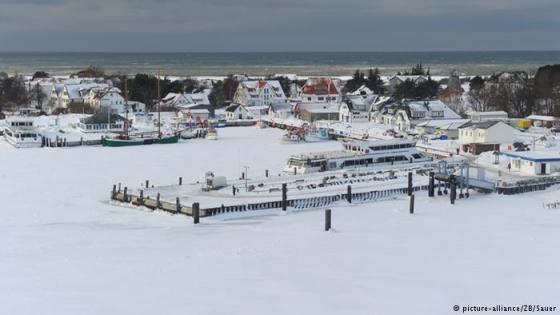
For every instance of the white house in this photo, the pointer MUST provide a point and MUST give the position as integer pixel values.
(76, 93)
(321, 90)
(237, 112)
(533, 162)
(280, 111)
(176, 100)
(485, 136)
(259, 93)
(406, 115)
(357, 108)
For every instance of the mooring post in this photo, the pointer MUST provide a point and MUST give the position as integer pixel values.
(125, 196)
(410, 183)
(158, 202)
(349, 194)
(284, 197)
(411, 204)
(431, 185)
(114, 192)
(141, 201)
(178, 205)
(266, 173)
(180, 181)
(453, 188)
(119, 188)
(147, 184)
(196, 212)
(327, 219)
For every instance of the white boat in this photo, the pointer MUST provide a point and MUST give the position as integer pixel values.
(211, 134)
(292, 137)
(316, 135)
(188, 134)
(21, 133)
(358, 154)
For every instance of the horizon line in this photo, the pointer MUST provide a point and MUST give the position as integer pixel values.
(270, 52)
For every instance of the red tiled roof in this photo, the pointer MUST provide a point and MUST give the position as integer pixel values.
(321, 86)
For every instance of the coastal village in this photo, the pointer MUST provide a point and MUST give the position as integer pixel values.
(412, 122)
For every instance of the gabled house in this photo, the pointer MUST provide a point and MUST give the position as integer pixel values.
(237, 112)
(406, 115)
(357, 107)
(478, 137)
(259, 93)
(280, 111)
(321, 90)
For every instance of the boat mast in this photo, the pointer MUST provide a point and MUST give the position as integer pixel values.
(125, 107)
(159, 105)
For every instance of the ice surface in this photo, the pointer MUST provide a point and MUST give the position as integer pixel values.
(65, 250)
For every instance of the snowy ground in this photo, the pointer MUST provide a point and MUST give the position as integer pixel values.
(66, 250)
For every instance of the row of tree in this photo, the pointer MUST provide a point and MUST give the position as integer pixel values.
(519, 98)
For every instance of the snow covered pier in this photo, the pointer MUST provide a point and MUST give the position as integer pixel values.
(294, 192)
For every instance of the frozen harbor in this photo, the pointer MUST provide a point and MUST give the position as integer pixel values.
(66, 250)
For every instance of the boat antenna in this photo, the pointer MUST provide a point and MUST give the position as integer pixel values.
(159, 105)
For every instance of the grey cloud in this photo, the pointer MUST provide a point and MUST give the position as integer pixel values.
(272, 25)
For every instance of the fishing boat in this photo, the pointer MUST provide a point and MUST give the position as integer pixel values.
(211, 134)
(126, 139)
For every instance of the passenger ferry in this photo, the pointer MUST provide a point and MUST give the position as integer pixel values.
(21, 133)
(356, 154)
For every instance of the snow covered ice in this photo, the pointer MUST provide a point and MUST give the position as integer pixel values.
(65, 249)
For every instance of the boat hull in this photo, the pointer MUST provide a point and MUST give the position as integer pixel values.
(139, 141)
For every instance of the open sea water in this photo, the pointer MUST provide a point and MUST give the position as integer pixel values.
(261, 64)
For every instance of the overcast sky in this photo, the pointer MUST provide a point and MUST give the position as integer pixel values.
(278, 25)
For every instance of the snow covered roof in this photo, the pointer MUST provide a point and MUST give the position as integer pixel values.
(543, 118)
(447, 124)
(535, 156)
(481, 125)
(432, 106)
(233, 107)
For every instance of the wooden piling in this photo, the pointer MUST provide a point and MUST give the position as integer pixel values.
(196, 212)
(178, 205)
(410, 183)
(180, 181)
(141, 199)
(119, 188)
(147, 183)
(158, 200)
(328, 213)
(349, 194)
(431, 185)
(125, 195)
(411, 209)
(453, 189)
(114, 192)
(266, 173)
(284, 197)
